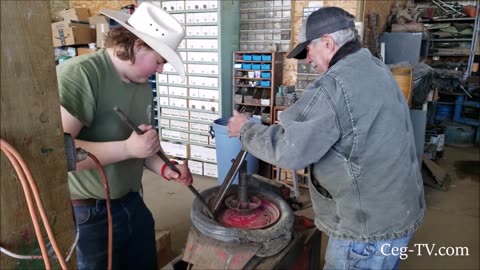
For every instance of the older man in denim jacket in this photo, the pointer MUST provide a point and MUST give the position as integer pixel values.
(352, 129)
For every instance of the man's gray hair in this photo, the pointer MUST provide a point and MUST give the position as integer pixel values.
(341, 37)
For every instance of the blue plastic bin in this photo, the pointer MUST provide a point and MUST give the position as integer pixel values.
(227, 149)
(257, 57)
(256, 66)
(265, 83)
(266, 57)
(444, 112)
(247, 57)
(247, 66)
(265, 75)
(265, 66)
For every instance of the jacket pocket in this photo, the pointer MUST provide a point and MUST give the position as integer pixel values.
(325, 208)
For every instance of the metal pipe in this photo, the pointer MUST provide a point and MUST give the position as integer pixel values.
(243, 184)
(228, 179)
(164, 157)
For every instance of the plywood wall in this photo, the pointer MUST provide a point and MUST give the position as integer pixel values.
(95, 6)
(290, 65)
(30, 121)
(382, 9)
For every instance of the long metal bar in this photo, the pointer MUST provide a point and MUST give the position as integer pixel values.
(243, 184)
(164, 157)
(229, 179)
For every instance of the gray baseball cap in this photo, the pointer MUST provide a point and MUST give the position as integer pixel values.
(323, 21)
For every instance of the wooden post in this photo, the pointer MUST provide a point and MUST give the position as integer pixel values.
(30, 121)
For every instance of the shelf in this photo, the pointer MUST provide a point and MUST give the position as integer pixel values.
(200, 24)
(261, 70)
(449, 54)
(205, 122)
(201, 62)
(266, 93)
(448, 20)
(252, 105)
(205, 133)
(201, 37)
(196, 50)
(264, 30)
(249, 86)
(450, 39)
(189, 97)
(188, 109)
(253, 79)
(184, 11)
(252, 61)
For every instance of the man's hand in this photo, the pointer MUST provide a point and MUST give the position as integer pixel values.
(143, 146)
(235, 124)
(185, 178)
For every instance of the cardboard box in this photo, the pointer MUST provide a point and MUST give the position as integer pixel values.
(70, 33)
(82, 51)
(74, 14)
(164, 248)
(101, 29)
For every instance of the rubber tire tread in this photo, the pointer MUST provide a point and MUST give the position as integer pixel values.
(273, 239)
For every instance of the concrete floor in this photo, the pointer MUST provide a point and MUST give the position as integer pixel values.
(451, 222)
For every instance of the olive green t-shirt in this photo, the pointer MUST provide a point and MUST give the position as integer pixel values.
(89, 88)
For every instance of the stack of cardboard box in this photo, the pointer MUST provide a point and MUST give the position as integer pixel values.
(78, 28)
(74, 29)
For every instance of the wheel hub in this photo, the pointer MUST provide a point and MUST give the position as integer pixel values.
(256, 213)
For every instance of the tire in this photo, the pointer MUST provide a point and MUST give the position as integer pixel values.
(272, 239)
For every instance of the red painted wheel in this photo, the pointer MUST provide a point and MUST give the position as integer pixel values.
(257, 213)
(273, 238)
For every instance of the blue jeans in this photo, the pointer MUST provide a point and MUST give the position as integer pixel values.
(348, 254)
(133, 235)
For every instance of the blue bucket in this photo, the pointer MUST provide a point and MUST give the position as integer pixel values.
(227, 149)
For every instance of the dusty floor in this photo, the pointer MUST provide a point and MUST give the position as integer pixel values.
(451, 222)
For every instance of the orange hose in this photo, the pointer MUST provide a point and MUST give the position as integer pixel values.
(33, 214)
(23, 172)
(109, 214)
(41, 208)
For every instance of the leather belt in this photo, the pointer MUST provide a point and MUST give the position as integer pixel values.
(92, 202)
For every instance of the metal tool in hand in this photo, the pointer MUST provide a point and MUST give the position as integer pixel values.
(162, 155)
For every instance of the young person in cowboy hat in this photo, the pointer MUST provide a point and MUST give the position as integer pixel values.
(90, 87)
(352, 130)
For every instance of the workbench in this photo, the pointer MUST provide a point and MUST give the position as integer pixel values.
(302, 253)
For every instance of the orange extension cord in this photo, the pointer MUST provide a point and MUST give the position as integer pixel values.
(109, 214)
(26, 179)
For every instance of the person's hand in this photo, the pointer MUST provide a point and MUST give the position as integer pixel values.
(235, 124)
(184, 178)
(143, 146)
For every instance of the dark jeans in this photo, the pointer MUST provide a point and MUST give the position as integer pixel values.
(348, 254)
(133, 235)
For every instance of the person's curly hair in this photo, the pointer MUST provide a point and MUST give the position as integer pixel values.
(123, 42)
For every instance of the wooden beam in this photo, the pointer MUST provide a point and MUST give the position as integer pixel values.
(30, 121)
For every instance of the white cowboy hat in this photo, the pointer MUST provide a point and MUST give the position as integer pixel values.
(157, 28)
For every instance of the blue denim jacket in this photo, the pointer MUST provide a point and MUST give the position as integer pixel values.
(352, 129)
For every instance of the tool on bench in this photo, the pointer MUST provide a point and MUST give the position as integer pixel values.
(162, 155)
